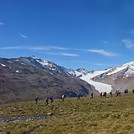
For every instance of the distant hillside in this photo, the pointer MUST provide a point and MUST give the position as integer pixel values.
(25, 78)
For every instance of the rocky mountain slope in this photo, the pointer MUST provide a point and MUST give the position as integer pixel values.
(25, 78)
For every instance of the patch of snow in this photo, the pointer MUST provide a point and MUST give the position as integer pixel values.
(71, 72)
(43, 62)
(130, 70)
(118, 69)
(129, 64)
(2, 65)
(53, 69)
(124, 66)
(17, 71)
(34, 57)
(22, 63)
(101, 87)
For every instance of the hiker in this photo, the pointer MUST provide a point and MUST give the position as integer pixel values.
(92, 95)
(62, 97)
(47, 101)
(133, 91)
(126, 91)
(117, 93)
(51, 98)
(105, 94)
(101, 94)
(36, 100)
(111, 94)
(78, 97)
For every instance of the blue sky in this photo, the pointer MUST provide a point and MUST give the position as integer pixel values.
(91, 34)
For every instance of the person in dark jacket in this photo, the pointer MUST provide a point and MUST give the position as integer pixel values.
(92, 95)
(111, 94)
(78, 97)
(51, 98)
(36, 100)
(47, 101)
(133, 91)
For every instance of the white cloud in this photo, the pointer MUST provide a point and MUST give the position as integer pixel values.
(40, 48)
(58, 48)
(36, 48)
(48, 48)
(63, 54)
(23, 36)
(102, 52)
(1, 23)
(69, 54)
(10, 48)
(128, 43)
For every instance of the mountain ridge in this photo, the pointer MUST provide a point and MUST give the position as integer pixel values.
(40, 77)
(25, 78)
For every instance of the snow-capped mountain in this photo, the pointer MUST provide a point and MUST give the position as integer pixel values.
(111, 79)
(49, 66)
(27, 77)
(103, 81)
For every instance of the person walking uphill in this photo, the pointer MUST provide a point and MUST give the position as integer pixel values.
(111, 94)
(47, 101)
(51, 98)
(62, 97)
(36, 100)
(92, 95)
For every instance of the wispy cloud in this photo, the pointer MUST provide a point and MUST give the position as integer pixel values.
(128, 43)
(102, 52)
(39, 48)
(36, 48)
(10, 48)
(1, 23)
(63, 54)
(58, 48)
(23, 36)
(69, 54)
(60, 52)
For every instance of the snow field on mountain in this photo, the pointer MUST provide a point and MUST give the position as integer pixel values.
(101, 87)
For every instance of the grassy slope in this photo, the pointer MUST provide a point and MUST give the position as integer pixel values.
(85, 116)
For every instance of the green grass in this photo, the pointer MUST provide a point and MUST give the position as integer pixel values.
(85, 116)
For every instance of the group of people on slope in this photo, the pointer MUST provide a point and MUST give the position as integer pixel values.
(47, 100)
(102, 94)
(118, 92)
(50, 98)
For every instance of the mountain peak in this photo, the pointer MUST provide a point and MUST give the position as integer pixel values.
(82, 70)
(33, 57)
(129, 64)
